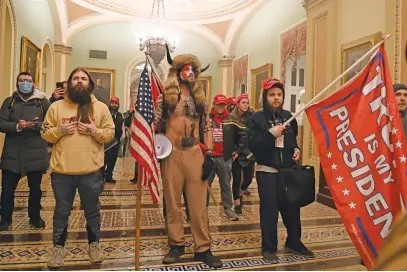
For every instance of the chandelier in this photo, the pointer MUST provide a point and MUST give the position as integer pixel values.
(155, 44)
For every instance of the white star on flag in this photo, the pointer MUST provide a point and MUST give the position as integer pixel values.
(352, 205)
(398, 144)
(394, 131)
(345, 192)
(329, 155)
(339, 179)
(333, 166)
(403, 159)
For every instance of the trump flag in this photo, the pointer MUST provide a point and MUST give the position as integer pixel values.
(363, 153)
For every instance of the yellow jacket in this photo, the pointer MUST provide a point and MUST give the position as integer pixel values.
(77, 154)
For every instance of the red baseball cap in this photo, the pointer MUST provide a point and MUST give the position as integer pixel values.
(242, 96)
(220, 99)
(232, 100)
(115, 99)
(270, 82)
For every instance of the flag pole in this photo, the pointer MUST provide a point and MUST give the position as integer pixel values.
(152, 65)
(369, 53)
(138, 218)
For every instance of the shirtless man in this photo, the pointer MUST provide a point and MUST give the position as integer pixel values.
(183, 108)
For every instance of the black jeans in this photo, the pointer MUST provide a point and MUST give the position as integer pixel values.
(110, 161)
(90, 186)
(9, 185)
(248, 173)
(271, 202)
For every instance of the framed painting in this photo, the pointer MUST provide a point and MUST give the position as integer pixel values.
(105, 82)
(207, 83)
(353, 51)
(240, 74)
(258, 75)
(30, 58)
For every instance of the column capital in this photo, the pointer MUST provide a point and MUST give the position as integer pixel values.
(226, 61)
(307, 4)
(62, 48)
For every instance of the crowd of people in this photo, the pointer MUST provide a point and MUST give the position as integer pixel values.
(225, 140)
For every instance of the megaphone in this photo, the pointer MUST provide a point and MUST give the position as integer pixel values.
(163, 146)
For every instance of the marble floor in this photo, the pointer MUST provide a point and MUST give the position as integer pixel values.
(238, 243)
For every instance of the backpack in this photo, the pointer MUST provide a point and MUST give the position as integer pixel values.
(12, 101)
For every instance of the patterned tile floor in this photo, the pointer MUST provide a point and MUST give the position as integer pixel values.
(237, 243)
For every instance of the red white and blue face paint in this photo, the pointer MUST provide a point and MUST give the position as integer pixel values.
(187, 72)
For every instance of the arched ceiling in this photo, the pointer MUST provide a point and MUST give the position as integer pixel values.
(218, 21)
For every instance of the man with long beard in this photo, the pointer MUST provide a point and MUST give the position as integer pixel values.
(78, 126)
(184, 108)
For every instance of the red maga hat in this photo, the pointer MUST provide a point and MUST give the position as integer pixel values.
(115, 99)
(220, 99)
(270, 82)
(242, 96)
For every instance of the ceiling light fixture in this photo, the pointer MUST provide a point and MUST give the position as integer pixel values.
(155, 43)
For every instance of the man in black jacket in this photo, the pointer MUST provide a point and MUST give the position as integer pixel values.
(274, 147)
(112, 149)
(24, 152)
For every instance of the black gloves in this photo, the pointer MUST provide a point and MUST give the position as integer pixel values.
(207, 167)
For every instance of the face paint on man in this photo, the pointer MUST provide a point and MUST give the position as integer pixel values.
(187, 74)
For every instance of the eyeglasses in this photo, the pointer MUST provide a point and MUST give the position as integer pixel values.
(25, 80)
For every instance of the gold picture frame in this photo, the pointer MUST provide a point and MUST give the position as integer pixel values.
(105, 80)
(258, 75)
(30, 58)
(206, 84)
(353, 51)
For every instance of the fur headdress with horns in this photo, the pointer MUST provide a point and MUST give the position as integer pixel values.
(171, 86)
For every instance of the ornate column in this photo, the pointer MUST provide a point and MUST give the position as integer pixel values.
(62, 58)
(226, 75)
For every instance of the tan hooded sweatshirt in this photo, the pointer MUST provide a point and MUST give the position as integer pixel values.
(77, 154)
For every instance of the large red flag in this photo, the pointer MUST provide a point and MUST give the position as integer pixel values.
(363, 151)
(156, 87)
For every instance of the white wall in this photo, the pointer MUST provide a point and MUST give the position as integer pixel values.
(33, 21)
(261, 36)
(119, 40)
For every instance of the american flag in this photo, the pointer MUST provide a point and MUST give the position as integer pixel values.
(142, 146)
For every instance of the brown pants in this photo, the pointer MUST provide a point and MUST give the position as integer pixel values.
(179, 168)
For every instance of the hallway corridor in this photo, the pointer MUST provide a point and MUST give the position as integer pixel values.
(237, 243)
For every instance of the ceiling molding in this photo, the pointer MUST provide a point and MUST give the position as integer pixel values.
(75, 11)
(100, 19)
(220, 28)
(171, 14)
(238, 26)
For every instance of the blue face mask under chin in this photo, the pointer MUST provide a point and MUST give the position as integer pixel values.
(25, 87)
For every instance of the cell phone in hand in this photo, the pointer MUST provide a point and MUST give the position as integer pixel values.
(60, 85)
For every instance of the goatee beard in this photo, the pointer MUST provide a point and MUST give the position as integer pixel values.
(79, 95)
(188, 84)
(114, 110)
